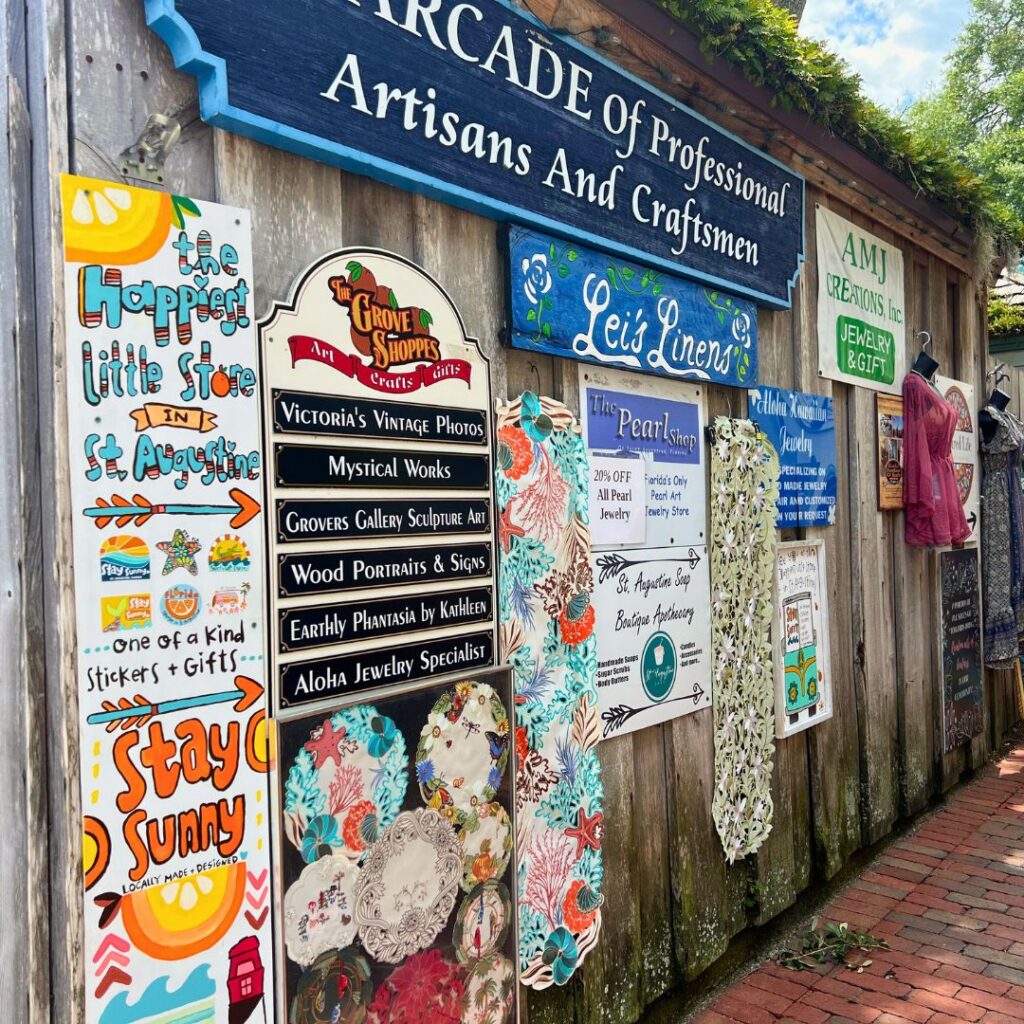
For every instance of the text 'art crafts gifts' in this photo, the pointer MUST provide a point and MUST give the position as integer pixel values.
(166, 473)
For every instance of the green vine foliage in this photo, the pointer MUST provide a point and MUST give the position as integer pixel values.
(763, 42)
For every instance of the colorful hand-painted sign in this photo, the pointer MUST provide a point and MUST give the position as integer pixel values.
(960, 648)
(803, 669)
(573, 302)
(966, 465)
(861, 309)
(480, 105)
(652, 599)
(398, 857)
(379, 439)
(802, 429)
(163, 406)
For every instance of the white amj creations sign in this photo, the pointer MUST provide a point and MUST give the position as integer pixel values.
(861, 306)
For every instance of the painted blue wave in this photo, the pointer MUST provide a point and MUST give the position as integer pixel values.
(157, 999)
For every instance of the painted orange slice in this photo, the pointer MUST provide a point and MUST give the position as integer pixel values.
(185, 917)
(95, 850)
(106, 222)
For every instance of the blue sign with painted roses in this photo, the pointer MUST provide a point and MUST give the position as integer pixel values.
(573, 302)
(802, 429)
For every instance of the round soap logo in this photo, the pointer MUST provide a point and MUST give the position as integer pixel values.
(658, 667)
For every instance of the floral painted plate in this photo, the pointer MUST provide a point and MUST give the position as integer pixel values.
(463, 751)
(408, 886)
(346, 784)
(487, 845)
(336, 989)
(426, 988)
(482, 923)
(319, 908)
(488, 996)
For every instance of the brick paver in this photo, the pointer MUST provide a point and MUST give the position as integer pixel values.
(949, 900)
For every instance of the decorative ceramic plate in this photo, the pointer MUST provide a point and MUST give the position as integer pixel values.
(426, 989)
(408, 886)
(956, 398)
(482, 923)
(336, 989)
(346, 785)
(488, 996)
(964, 480)
(463, 751)
(486, 844)
(319, 908)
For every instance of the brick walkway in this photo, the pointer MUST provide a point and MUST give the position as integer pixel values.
(948, 899)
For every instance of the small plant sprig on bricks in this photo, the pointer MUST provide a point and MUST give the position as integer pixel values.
(833, 943)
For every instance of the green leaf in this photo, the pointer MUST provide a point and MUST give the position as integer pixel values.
(531, 314)
(552, 250)
(611, 277)
(657, 289)
(355, 270)
(425, 319)
(721, 317)
(627, 273)
(392, 299)
(572, 255)
(714, 296)
(563, 270)
(546, 330)
(548, 304)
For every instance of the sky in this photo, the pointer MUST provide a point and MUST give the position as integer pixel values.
(896, 46)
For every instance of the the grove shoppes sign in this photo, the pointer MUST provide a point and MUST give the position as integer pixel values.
(477, 104)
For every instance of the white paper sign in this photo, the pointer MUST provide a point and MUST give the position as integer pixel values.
(960, 397)
(861, 312)
(618, 505)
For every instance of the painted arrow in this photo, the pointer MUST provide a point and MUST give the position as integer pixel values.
(973, 520)
(122, 511)
(613, 564)
(127, 713)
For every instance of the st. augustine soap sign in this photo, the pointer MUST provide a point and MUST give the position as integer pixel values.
(573, 302)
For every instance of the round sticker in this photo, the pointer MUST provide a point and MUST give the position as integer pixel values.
(181, 604)
(658, 667)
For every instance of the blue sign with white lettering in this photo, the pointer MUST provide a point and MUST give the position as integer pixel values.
(480, 105)
(621, 422)
(574, 302)
(802, 429)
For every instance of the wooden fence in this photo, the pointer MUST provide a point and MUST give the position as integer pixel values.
(82, 77)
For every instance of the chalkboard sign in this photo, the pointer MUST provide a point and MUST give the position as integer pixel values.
(573, 302)
(480, 105)
(962, 715)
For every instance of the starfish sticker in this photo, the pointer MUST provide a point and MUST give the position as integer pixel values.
(324, 743)
(589, 832)
(181, 552)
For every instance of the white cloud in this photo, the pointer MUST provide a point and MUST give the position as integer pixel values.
(896, 46)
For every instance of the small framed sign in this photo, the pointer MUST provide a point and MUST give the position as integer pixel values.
(889, 411)
(803, 670)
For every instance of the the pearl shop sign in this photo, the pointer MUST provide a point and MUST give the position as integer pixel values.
(476, 104)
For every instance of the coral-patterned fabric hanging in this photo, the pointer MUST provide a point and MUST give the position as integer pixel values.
(547, 635)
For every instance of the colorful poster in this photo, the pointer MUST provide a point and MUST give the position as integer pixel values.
(573, 302)
(166, 469)
(802, 429)
(966, 459)
(548, 637)
(861, 306)
(397, 857)
(803, 670)
(652, 598)
(889, 410)
(379, 436)
(963, 715)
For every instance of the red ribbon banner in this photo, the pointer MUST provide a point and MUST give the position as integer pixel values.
(303, 346)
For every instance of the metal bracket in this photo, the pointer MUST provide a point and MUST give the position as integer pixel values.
(145, 158)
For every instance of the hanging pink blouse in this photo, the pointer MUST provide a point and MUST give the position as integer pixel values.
(934, 515)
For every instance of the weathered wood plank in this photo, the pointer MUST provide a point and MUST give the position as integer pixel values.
(873, 614)
(915, 649)
(832, 747)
